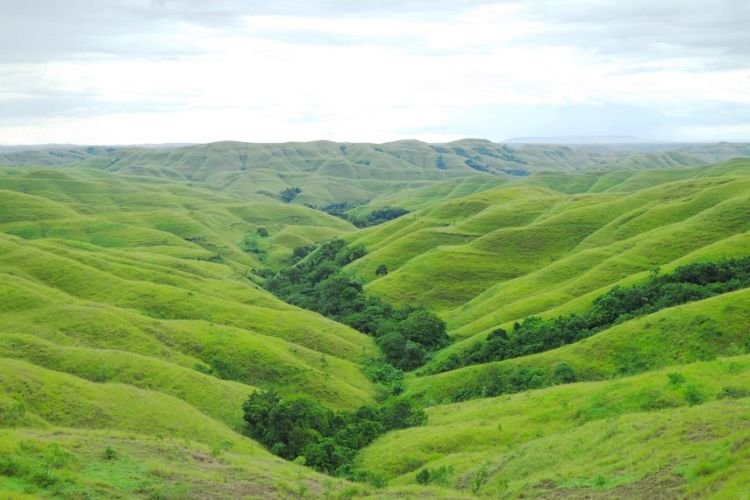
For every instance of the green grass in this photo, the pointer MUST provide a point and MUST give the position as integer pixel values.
(676, 431)
(509, 252)
(684, 334)
(128, 319)
(71, 463)
(131, 319)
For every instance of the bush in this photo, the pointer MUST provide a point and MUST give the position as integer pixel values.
(693, 395)
(438, 475)
(289, 194)
(374, 218)
(109, 453)
(563, 373)
(676, 379)
(733, 392)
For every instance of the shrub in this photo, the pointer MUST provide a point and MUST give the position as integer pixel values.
(289, 194)
(676, 378)
(693, 395)
(564, 373)
(109, 453)
(734, 392)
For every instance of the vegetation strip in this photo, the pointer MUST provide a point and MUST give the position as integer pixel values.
(407, 336)
(688, 283)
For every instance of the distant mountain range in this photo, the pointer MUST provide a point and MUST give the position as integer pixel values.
(581, 139)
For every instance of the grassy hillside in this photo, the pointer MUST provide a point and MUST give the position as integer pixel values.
(536, 245)
(133, 323)
(676, 432)
(684, 334)
(127, 306)
(329, 172)
(98, 261)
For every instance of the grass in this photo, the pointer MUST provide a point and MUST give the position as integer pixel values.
(618, 437)
(133, 324)
(512, 251)
(678, 335)
(71, 463)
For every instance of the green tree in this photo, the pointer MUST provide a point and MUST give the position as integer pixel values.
(424, 328)
(289, 194)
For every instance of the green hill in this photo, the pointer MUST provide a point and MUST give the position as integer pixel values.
(134, 323)
(521, 249)
(677, 432)
(330, 172)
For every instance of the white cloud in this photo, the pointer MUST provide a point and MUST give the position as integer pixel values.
(376, 77)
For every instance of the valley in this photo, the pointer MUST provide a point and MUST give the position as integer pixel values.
(147, 293)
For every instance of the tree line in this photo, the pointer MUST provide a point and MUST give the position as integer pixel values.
(326, 440)
(373, 218)
(687, 283)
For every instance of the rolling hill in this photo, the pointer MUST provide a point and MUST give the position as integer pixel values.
(126, 308)
(358, 173)
(134, 323)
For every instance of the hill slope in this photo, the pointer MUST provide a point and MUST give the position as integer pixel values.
(331, 172)
(133, 324)
(127, 316)
(532, 246)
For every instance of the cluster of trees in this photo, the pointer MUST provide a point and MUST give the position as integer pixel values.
(686, 284)
(379, 216)
(407, 336)
(374, 218)
(289, 194)
(328, 440)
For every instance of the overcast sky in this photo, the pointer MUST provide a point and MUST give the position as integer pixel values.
(154, 71)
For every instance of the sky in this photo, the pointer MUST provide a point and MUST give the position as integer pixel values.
(179, 71)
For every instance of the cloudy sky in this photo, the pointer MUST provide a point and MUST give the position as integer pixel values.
(154, 71)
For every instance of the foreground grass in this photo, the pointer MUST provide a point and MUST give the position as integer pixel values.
(71, 463)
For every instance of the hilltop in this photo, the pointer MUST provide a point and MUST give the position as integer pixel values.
(330, 172)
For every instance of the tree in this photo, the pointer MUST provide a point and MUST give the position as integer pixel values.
(382, 270)
(258, 411)
(300, 253)
(305, 430)
(424, 328)
(289, 194)
(440, 162)
(326, 455)
(423, 477)
(400, 414)
(262, 232)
